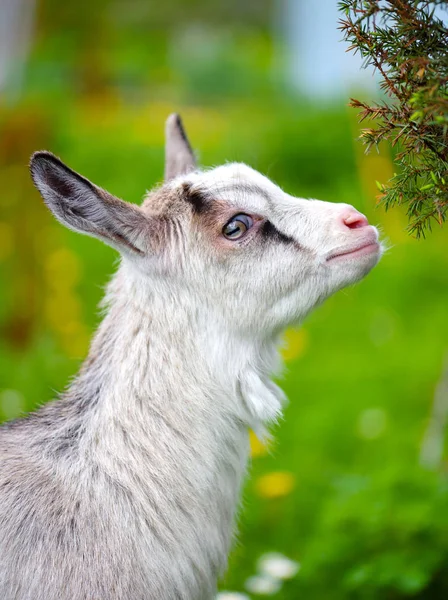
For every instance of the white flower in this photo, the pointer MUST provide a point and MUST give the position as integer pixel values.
(278, 566)
(231, 596)
(264, 585)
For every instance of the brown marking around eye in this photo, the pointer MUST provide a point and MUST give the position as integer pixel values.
(210, 215)
(196, 198)
(269, 231)
(212, 221)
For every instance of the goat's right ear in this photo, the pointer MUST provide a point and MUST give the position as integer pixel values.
(84, 207)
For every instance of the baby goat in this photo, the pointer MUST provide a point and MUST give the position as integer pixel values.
(127, 486)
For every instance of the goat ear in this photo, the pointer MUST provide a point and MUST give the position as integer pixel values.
(84, 207)
(179, 157)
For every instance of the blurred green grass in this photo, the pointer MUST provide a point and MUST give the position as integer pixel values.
(347, 498)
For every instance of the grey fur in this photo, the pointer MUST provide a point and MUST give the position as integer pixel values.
(126, 487)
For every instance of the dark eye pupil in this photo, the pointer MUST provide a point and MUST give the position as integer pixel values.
(234, 228)
(237, 227)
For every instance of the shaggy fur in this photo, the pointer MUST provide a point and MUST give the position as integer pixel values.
(126, 487)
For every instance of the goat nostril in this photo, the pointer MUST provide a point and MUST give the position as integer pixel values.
(355, 220)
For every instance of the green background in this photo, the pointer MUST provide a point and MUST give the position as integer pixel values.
(346, 493)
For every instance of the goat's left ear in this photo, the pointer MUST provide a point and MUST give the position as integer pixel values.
(80, 205)
(179, 157)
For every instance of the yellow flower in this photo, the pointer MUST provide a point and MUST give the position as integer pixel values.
(295, 343)
(257, 448)
(275, 485)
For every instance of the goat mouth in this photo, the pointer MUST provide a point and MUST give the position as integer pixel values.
(363, 250)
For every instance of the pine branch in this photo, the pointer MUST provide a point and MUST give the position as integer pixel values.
(408, 45)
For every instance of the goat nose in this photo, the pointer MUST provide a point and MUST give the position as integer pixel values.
(354, 219)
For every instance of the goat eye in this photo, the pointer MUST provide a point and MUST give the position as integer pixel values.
(237, 227)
